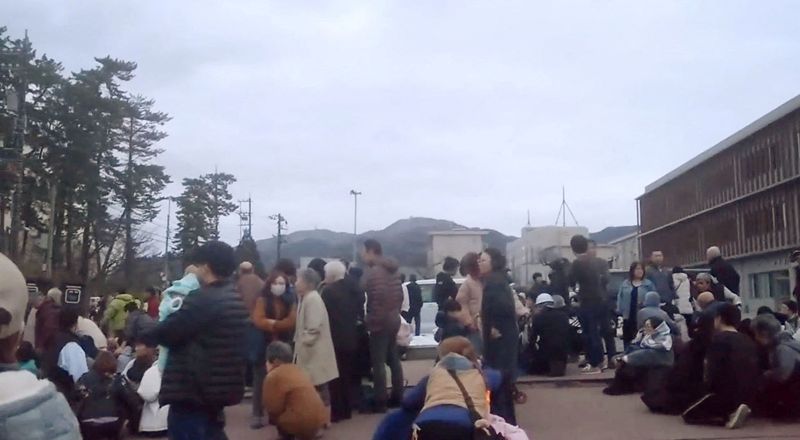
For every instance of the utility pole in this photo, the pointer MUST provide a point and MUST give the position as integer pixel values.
(355, 195)
(246, 219)
(281, 220)
(166, 242)
(15, 102)
(562, 211)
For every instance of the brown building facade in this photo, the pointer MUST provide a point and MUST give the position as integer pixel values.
(742, 195)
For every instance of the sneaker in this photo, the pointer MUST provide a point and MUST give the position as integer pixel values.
(256, 422)
(588, 369)
(739, 417)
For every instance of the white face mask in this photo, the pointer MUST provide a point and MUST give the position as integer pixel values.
(277, 289)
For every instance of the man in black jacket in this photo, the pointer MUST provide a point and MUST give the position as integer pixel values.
(206, 364)
(445, 287)
(415, 303)
(549, 336)
(722, 270)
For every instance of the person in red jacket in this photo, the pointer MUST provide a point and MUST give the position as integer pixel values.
(153, 301)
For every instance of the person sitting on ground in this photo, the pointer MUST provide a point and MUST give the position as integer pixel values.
(107, 400)
(65, 362)
(683, 385)
(731, 375)
(652, 348)
(27, 359)
(30, 408)
(791, 324)
(289, 397)
(549, 336)
(779, 392)
(137, 323)
(443, 411)
(449, 321)
(652, 309)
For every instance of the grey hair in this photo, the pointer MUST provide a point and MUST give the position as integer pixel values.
(279, 351)
(56, 295)
(309, 276)
(335, 270)
(705, 276)
(713, 252)
(766, 323)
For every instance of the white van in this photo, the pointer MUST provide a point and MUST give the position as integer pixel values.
(428, 313)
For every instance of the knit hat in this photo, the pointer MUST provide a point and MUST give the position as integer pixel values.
(13, 298)
(558, 302)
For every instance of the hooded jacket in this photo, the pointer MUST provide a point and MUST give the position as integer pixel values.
(32, 409)
(785, 359)
(654, 350)
(115, 314)
(652, 309)
(683, 290)
(384, 296)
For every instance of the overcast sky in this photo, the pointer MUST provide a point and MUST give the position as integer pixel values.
(468, 111)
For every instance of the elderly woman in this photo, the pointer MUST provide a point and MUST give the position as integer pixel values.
(342, 307)
(314, 352)
(707, 283)
(470, 296)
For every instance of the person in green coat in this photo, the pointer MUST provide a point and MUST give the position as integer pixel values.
(116, 315)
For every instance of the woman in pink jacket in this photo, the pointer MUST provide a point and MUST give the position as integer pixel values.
(470, 296)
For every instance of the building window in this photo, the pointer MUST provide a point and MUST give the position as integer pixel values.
(770, 285)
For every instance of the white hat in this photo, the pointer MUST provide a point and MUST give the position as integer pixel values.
(13, 298)
(543, 298)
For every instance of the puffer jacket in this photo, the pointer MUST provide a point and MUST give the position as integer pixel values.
(683, 290)
(785, 359)
(653, 350)
(206, 349)
(498, 311)
(32, 409)
(137, 324)
(384, 296)
(115, 314)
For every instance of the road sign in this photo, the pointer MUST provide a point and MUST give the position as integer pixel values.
(72, 294)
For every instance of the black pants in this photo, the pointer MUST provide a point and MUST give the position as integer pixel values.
(443, 431)
(629, 330)
(382, 352)
(414, 315)
(341, 387)
(503, 399)
(551, 364)
(712, 409)
(609, 336)
(779, 400)
(102, 431)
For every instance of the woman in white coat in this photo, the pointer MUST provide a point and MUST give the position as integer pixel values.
(313, 351)
(683, 290)
(154, 416)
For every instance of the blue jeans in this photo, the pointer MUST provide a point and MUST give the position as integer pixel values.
(192, 423)
(594, 323)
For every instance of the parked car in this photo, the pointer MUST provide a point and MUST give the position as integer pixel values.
(429, 307)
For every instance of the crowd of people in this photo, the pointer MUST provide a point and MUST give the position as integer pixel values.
(304, 341)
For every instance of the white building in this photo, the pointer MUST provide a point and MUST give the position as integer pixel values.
(626, 251)
(455, 243)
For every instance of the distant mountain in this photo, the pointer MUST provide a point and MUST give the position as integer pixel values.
(612, 233)
(407, 240)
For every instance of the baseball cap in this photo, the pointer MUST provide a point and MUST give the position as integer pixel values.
(543, 298)
(13, 298)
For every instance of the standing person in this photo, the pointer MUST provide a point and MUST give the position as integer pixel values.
(275, 315)
(342, 308)
(789, 310)
(683, 292)
(445, 287)
(204, 338)
(539, 286)
(779, 393)
(313, 346)
(406, 301)
(249, 286)
(30, 408)
(629, 300)
(731, 374)
(585, 274)
(47, 320)
(29, 334)
(794, 260)
(153, 421)
(137, 323)
(661, 278)
(152, 302)
(722, 270)
(470, 296)
(290, 398)
(500, 330)
(65, 361)
(115, 314)
(414, 303)
(384, 299)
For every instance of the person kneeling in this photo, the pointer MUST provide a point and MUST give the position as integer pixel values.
(108, 400)
(549, 336)
(779, 393)
(651, 349)
(290, 398)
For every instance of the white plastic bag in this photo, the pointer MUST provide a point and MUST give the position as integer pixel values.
(507, 430)
(405, 334)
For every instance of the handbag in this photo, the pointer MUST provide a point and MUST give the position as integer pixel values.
(481, 433)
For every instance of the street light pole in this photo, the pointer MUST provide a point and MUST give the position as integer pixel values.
(166, 242)
(355, 195)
